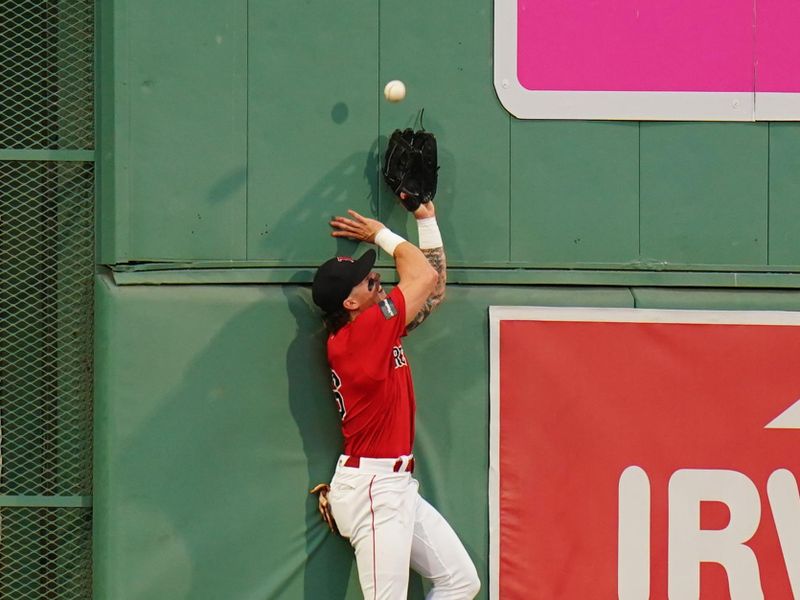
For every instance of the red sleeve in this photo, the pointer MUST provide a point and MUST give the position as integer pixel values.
(375, 331)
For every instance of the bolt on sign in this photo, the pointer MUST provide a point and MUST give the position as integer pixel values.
(727, 60)
(644, 454)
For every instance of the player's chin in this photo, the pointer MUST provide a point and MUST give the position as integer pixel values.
(380, 294)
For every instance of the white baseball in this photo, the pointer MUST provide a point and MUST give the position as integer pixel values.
(395, 90)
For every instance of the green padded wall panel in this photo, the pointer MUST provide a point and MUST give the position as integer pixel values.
(214, 417)
(206, 443)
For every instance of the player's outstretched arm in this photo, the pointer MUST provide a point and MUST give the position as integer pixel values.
(435, 257)
(417, 277)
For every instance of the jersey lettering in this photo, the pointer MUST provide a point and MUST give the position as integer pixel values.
(336, 383)
(399, 356)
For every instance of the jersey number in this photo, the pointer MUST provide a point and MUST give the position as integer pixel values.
(336, 383)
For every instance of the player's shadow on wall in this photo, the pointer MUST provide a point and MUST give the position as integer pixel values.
(228, 186)
(304, 230)
(330, 558)
(355, 182)
(206, 481)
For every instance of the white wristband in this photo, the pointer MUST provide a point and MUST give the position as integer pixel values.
(388, 241)
(429, 235)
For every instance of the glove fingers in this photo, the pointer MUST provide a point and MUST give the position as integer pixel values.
(332, 524)
(324, 507)
(327, 516)
(320, 487)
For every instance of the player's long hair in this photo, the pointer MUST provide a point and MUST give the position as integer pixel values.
(336, 320)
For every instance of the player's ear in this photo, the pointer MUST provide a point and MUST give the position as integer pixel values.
(350, 303)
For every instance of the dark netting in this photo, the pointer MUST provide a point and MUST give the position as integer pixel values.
(45, 553)
(46, 269)
(46, 74)
(46, 274)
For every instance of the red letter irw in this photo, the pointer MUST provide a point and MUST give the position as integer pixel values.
(689, 545)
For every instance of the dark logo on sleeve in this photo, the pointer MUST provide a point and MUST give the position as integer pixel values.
(388, 308)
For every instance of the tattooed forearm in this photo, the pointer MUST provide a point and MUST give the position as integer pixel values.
(438, 261)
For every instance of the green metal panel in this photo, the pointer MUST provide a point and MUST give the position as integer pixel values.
(704, 193)
(443, 52)
(575, 192)
(313, 115)
(112, 114)
(237, 139)
(784, 193)
(704, 299)
(214, 417)
(186, 129)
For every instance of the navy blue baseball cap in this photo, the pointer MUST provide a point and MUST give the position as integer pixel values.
(337, 277)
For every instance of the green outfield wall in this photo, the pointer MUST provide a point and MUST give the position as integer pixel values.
(214, 418)
(235, 139)
(229, 133)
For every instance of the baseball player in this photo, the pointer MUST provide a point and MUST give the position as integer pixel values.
(373, 498)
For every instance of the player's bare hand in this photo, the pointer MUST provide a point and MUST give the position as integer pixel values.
(324, 506)
(358, 227)
(425, 210)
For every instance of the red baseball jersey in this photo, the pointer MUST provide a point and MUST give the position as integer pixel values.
(372, 383)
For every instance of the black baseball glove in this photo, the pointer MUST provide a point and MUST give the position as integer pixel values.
(410, 167)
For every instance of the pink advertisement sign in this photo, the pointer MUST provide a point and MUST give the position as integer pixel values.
(649, 59)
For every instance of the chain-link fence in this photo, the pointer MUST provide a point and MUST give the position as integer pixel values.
(46, 274)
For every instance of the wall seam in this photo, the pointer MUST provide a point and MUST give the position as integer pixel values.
(639, 186)
(769, 200)
(376, 174)
(510, 195)
(247, 129)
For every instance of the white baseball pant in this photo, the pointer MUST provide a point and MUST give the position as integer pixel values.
(391, 527)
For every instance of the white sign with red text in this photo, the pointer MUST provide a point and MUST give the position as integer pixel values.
(644, 454)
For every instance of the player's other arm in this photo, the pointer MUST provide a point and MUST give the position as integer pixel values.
(433, 249)
(418, 279)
